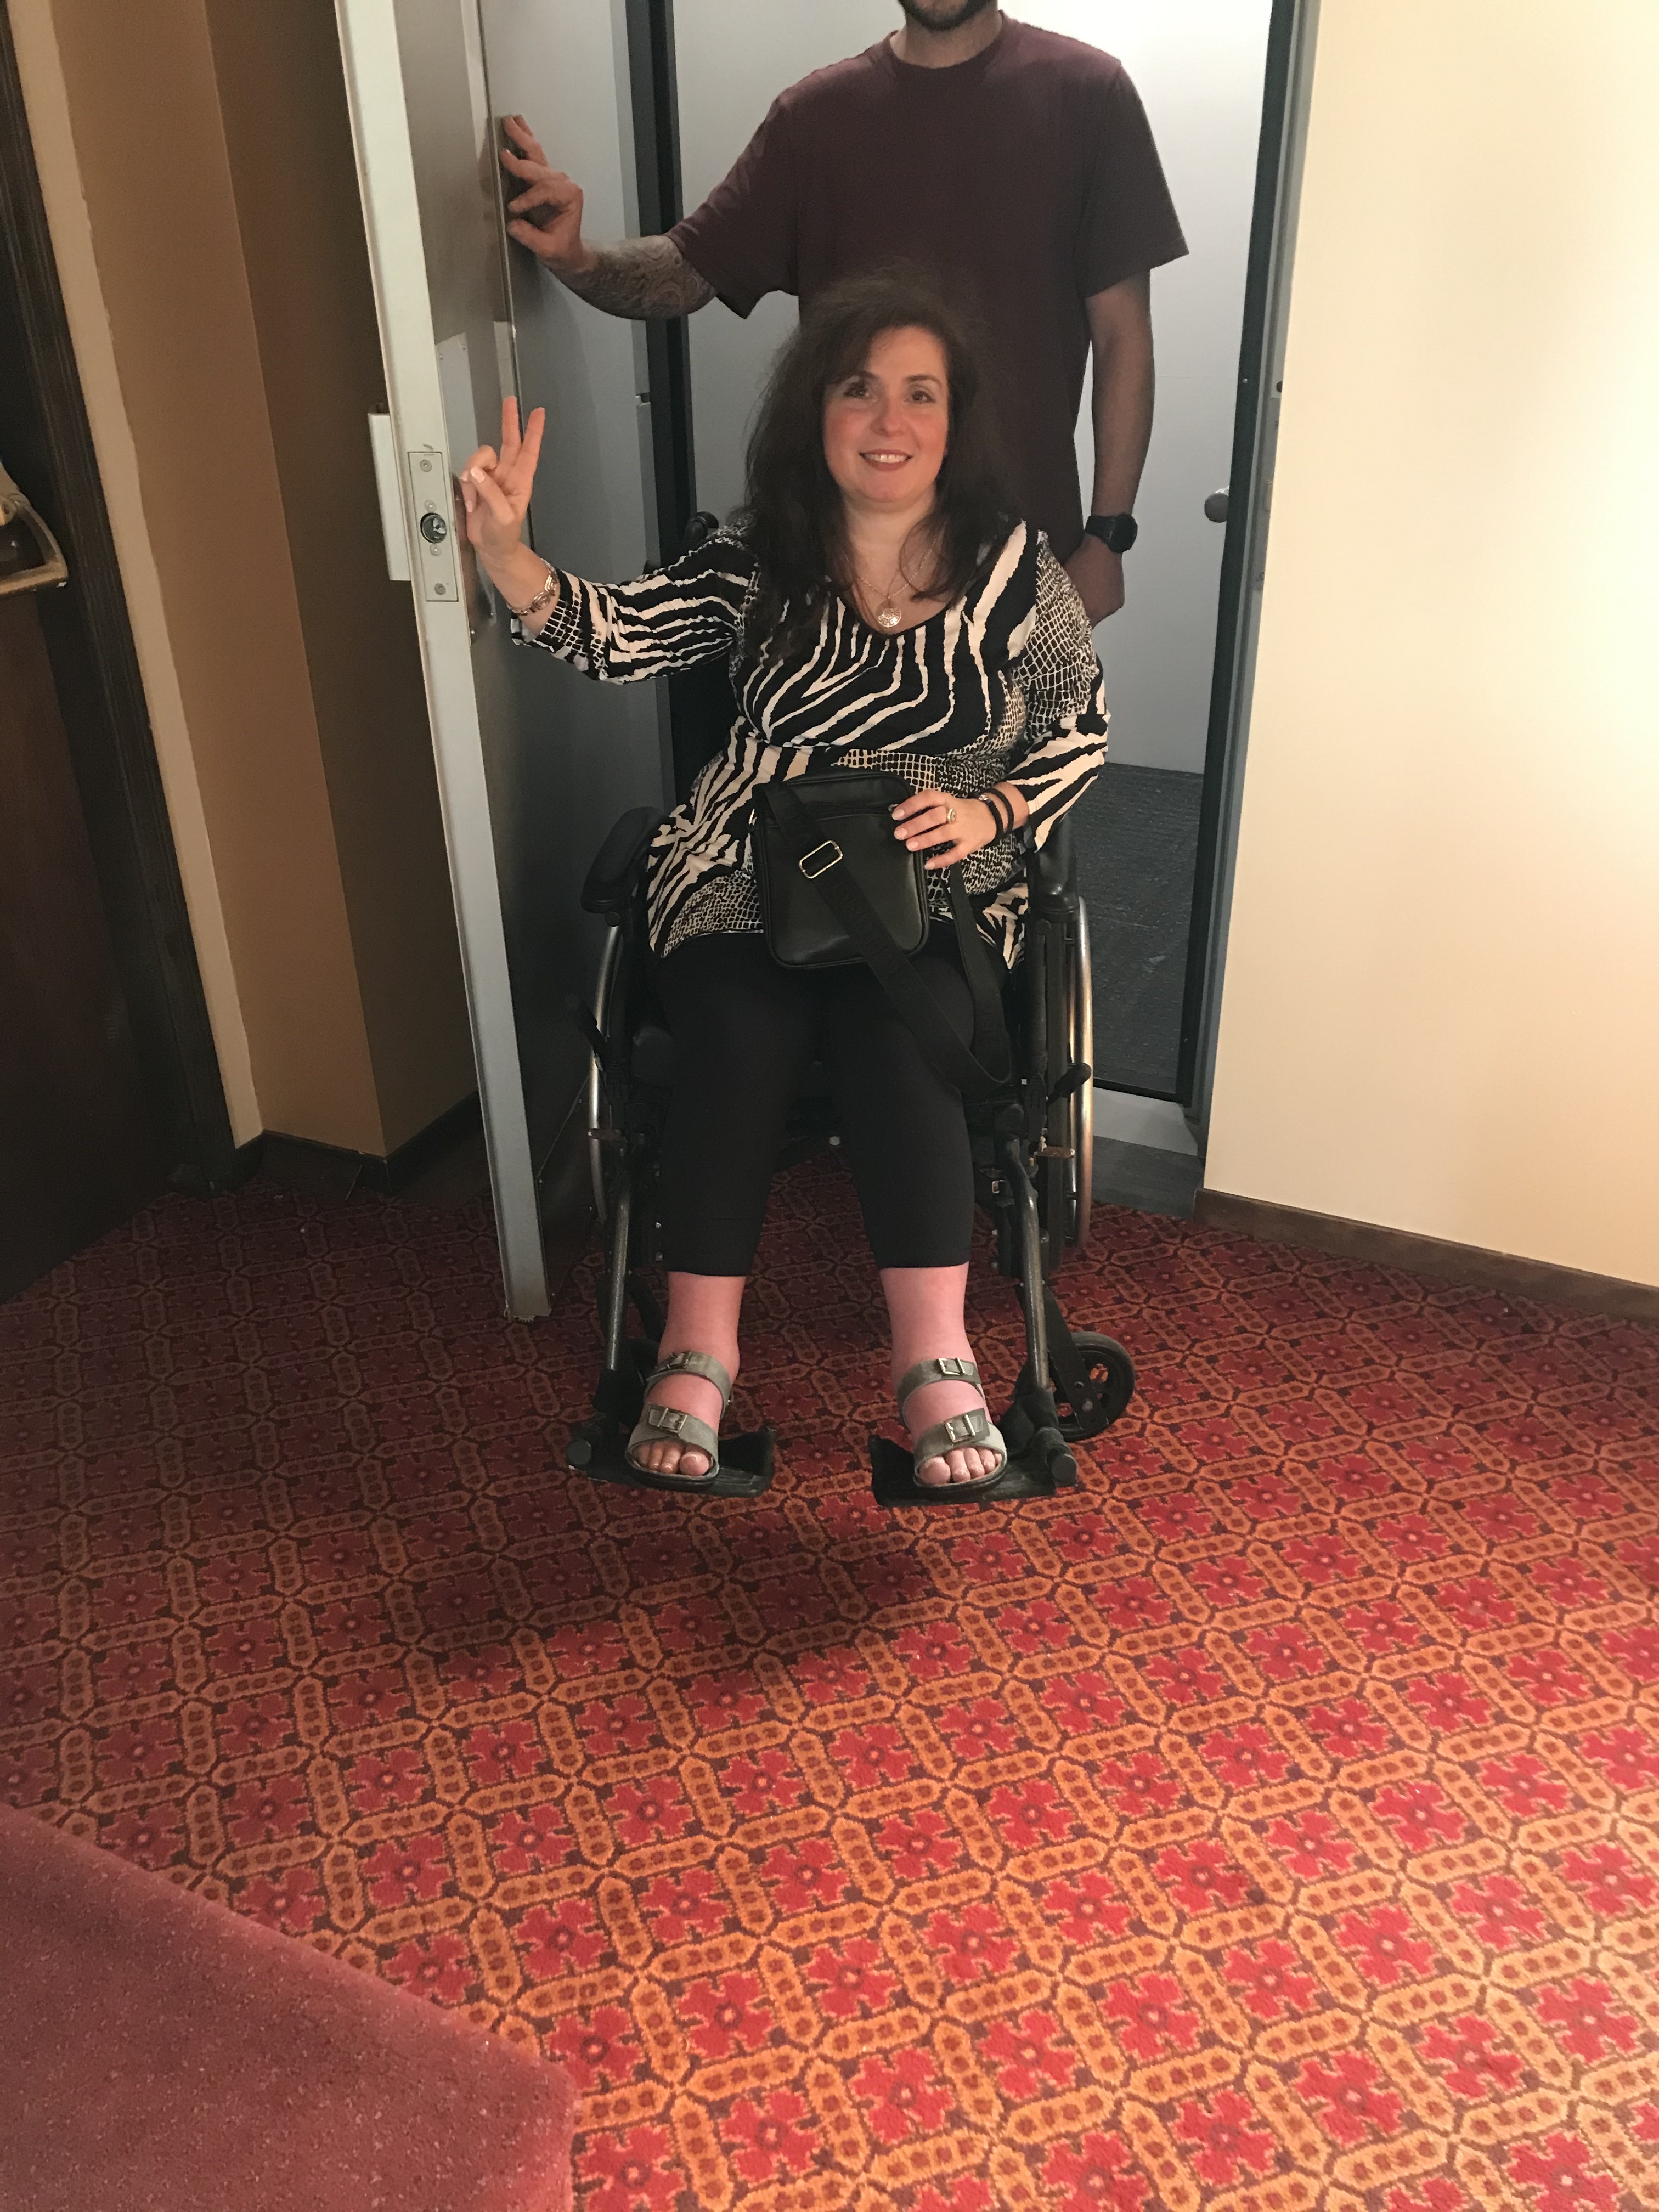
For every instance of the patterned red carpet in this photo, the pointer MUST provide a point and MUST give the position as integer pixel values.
(1274, 1823)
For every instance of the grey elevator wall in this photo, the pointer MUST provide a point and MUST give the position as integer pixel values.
(1197, 66)
(596, 749)
(732, 57)
(563, 755)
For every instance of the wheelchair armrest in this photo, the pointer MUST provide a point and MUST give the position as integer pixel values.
(613, 880)
(1051, 870)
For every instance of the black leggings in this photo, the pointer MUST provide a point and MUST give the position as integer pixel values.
(745, 1032)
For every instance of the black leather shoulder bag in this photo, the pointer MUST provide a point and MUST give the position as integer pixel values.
(836, 887)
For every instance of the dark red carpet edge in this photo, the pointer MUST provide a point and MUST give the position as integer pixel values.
(1274, 1824)
(160, 2054)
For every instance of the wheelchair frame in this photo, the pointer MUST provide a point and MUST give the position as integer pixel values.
(1033, 1156)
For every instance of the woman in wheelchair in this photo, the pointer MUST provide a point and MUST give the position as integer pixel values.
(879, 607)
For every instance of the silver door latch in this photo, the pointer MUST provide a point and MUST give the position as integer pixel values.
(433, 506)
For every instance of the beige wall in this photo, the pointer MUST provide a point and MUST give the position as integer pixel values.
(229, 359)
(282, 95)
(1441, 1010)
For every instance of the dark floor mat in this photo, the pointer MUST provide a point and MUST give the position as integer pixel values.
(1137, 839)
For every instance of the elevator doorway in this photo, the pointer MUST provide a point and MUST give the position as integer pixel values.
(644, 420)
(1201, 68)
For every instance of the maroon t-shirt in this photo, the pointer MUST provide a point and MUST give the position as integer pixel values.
(1024, 179)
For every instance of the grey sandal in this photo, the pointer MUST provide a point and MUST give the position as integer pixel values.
(658, 1423)
(974, 1429)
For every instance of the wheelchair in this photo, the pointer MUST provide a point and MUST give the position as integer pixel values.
(1033, 1155)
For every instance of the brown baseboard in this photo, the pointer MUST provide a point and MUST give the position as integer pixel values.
(1428, 1256)
(302, 1164)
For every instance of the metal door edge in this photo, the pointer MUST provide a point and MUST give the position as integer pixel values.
(385, 179)
(1236, 648)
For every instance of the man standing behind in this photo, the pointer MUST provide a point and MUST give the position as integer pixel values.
(1015, 166)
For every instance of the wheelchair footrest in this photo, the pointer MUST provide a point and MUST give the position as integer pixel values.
(1043, 1466)
(599, 1449)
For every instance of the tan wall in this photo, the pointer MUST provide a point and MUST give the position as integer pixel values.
(229, 360)
(282, 96)
(1442, 975)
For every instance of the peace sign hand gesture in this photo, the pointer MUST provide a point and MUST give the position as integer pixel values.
(496, 488)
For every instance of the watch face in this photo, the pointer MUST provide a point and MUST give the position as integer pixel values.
(1117, 532)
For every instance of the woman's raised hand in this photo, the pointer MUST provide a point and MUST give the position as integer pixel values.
(496, 488)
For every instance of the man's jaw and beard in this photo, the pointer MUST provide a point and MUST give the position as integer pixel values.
(943, 15)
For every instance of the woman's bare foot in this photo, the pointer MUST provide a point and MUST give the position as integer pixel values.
(936, 1402)
(925, 1305)
(692, 1394)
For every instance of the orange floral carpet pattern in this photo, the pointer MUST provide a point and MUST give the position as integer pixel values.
(1273, 1822)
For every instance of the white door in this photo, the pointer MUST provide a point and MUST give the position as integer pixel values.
(533, 763)
(1198, 65)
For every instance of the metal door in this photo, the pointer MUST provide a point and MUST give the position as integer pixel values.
(533, 763)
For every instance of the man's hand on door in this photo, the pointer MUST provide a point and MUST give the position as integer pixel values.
(1098, 573)
(547, 215)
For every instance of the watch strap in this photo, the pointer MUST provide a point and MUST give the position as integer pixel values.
(1117, 532)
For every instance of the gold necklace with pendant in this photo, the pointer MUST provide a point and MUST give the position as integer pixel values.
(887, 616)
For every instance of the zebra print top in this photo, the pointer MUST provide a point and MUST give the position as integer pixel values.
(1003, 685)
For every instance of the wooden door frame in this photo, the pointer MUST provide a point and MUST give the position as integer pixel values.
(101, 692)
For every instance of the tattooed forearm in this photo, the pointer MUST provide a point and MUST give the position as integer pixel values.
(641, 278)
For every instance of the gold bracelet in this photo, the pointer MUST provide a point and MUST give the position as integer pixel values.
(549, 590)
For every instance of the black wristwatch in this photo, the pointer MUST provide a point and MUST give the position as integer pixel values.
(1117, 532)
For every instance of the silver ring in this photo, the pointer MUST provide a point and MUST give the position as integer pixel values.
(950, 813)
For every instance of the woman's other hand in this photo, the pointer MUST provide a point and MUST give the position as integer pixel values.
(496, 488)
(947, 829)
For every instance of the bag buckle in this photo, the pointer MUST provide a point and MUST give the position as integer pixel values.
(811, 873)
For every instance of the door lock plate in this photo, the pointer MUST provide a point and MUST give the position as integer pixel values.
(432, 504)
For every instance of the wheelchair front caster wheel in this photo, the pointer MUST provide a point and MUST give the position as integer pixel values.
(1111, 1384)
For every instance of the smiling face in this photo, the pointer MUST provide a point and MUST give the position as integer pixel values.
(886, 426)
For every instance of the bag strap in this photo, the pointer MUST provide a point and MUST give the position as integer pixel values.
(872, 941)
(990, 1030)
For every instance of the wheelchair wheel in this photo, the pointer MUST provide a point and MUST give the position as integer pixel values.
(1080, 1135)
(603, 1135)
(1112, 1373)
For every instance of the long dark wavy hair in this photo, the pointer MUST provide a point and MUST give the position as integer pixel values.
(793, 516)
